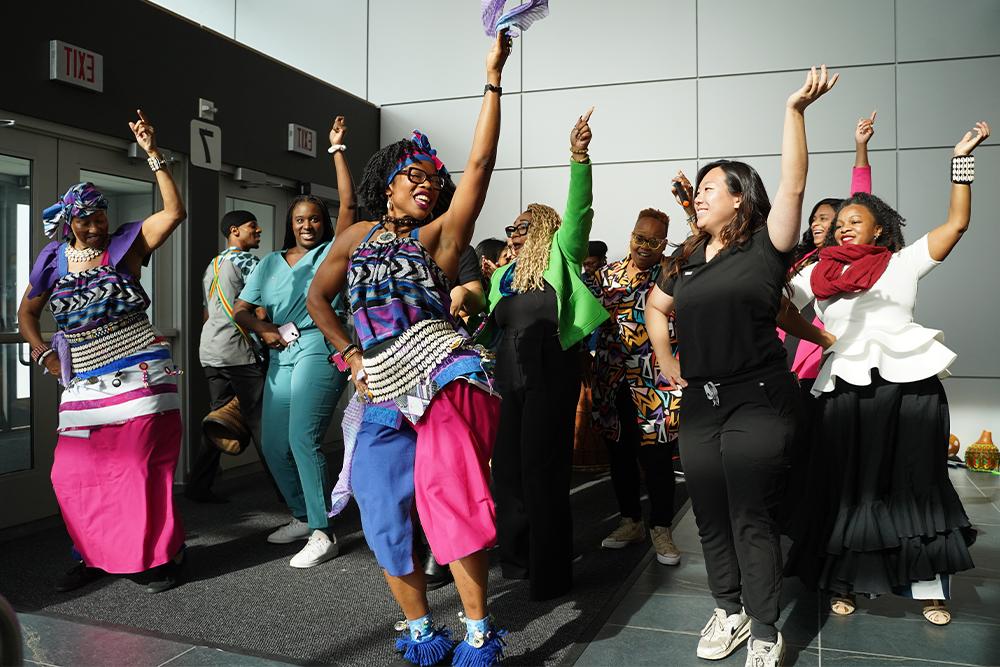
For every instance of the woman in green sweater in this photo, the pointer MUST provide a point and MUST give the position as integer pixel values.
(543, 311)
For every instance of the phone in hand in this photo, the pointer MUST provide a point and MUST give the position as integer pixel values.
(289, 332)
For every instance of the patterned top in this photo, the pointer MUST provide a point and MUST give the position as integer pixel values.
(624, 354)
(394, 285)
(223, 343)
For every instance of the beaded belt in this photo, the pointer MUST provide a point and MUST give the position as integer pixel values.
(103, 345)
(410, 359)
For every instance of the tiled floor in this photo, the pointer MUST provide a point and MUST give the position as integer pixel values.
(659, 619)
(62, 643)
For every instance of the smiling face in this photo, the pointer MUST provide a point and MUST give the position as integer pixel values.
(521, 225)
(91, 231)
(414, 199)
(856, 224)
(820, 223)
(307, 225)
(714, 205)
(649, 238)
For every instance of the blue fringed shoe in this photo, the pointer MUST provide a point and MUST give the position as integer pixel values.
(421, 643)
(483, 644)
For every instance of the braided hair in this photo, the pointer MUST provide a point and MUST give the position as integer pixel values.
(886, 217)
(371, 190)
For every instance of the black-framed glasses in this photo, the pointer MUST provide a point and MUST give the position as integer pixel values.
(652, 244)
(517, 230)
(416, 175)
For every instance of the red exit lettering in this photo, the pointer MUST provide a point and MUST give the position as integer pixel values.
(79, 64)
(305, 139)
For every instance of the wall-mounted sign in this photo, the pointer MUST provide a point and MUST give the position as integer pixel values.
(72, 64)
(301, 140)
(206, 145)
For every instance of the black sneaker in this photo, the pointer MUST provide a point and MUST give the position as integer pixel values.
(163, 577)
(76, 577)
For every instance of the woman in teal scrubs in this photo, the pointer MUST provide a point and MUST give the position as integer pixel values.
(302, 387)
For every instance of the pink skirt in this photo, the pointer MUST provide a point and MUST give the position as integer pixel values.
(115, 490)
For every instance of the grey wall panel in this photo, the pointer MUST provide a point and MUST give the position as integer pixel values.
(939, 101)
(449, 124)
(218, 15)
(503, 204)
(589, 42)
(928, 29)
(767, 35)
(958, 297)
(430, 51)
(649, 121)
(743, 115)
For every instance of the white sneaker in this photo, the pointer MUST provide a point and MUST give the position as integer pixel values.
(291, 531)
(765, 654)
(723, 634)
(318, 549)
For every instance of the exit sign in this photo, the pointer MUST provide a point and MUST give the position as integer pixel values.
(301, 140)
(75, 65)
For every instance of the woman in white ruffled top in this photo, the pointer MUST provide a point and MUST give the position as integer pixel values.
(887, 518)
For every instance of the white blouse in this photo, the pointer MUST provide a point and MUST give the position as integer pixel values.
(875, 328)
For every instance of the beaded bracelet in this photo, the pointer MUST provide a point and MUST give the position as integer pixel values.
(963, 169)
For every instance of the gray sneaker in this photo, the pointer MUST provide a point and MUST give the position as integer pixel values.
(765, 654)
(723, 634)
(666, 552)
(629, 531)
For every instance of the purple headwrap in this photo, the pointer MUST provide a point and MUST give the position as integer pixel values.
(516, 20)
(81, 200)
(422, 152)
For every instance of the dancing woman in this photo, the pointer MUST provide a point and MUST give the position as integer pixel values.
(740, 403)
(891, 519)
(543, 310)
(431, 413)
(119, 413)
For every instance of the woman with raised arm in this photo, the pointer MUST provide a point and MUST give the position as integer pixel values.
(119, 413)
(740, 403)
(542, 310)
(891, 520)
(430, 410)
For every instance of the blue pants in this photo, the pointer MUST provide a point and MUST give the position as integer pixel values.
(299, 399)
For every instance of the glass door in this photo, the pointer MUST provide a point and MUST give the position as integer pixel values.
(28, 399)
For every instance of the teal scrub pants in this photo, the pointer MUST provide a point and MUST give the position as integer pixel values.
(300, 394)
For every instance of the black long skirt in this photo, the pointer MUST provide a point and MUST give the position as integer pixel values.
(883, 511)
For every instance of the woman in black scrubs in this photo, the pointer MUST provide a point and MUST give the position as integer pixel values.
(740, 403)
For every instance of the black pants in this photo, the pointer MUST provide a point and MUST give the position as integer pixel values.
(246, 383)
(532, 459)
(736, 457)
(626, 455)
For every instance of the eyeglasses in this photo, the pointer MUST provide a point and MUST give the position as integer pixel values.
(417, 176)
(517, 230)
(652, 244)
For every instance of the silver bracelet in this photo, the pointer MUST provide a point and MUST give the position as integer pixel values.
(963, 169)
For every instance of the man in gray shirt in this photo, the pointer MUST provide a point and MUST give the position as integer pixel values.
(227, 352)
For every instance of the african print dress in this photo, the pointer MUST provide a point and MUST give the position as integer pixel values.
(624, 355)
(119, 413)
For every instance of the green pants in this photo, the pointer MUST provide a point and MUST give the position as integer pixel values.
(300, 394)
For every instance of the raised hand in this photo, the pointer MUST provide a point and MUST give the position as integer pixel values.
(865, 129)
(338, 131)
(817, 84)
(580, 135)
(145, 134)
(972, 138)
(497, 56)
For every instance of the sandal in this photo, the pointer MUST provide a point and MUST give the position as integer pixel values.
(842, 605)
(936, 613)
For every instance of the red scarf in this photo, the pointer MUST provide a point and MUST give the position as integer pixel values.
(847, 269)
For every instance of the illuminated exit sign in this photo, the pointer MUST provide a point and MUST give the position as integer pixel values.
(72, 64)
(301, 140)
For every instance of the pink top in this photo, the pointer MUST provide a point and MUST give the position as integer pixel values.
(809, 356)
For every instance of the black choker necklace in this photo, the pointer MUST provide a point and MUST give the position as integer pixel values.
(388, 236)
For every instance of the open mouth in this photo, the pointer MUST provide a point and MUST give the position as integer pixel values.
(423, 200)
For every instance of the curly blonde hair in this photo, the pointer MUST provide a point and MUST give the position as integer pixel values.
(533, 258)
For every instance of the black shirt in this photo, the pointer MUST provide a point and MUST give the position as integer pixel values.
(726, 309)
(468, 267)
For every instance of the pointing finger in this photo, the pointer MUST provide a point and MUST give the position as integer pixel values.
(586, 117)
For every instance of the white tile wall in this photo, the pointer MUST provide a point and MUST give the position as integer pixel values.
(324, 39)
(768, 35)
(503, 204)
(928, 29)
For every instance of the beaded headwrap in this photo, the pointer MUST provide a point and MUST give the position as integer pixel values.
(420, 152)
(81, 200)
